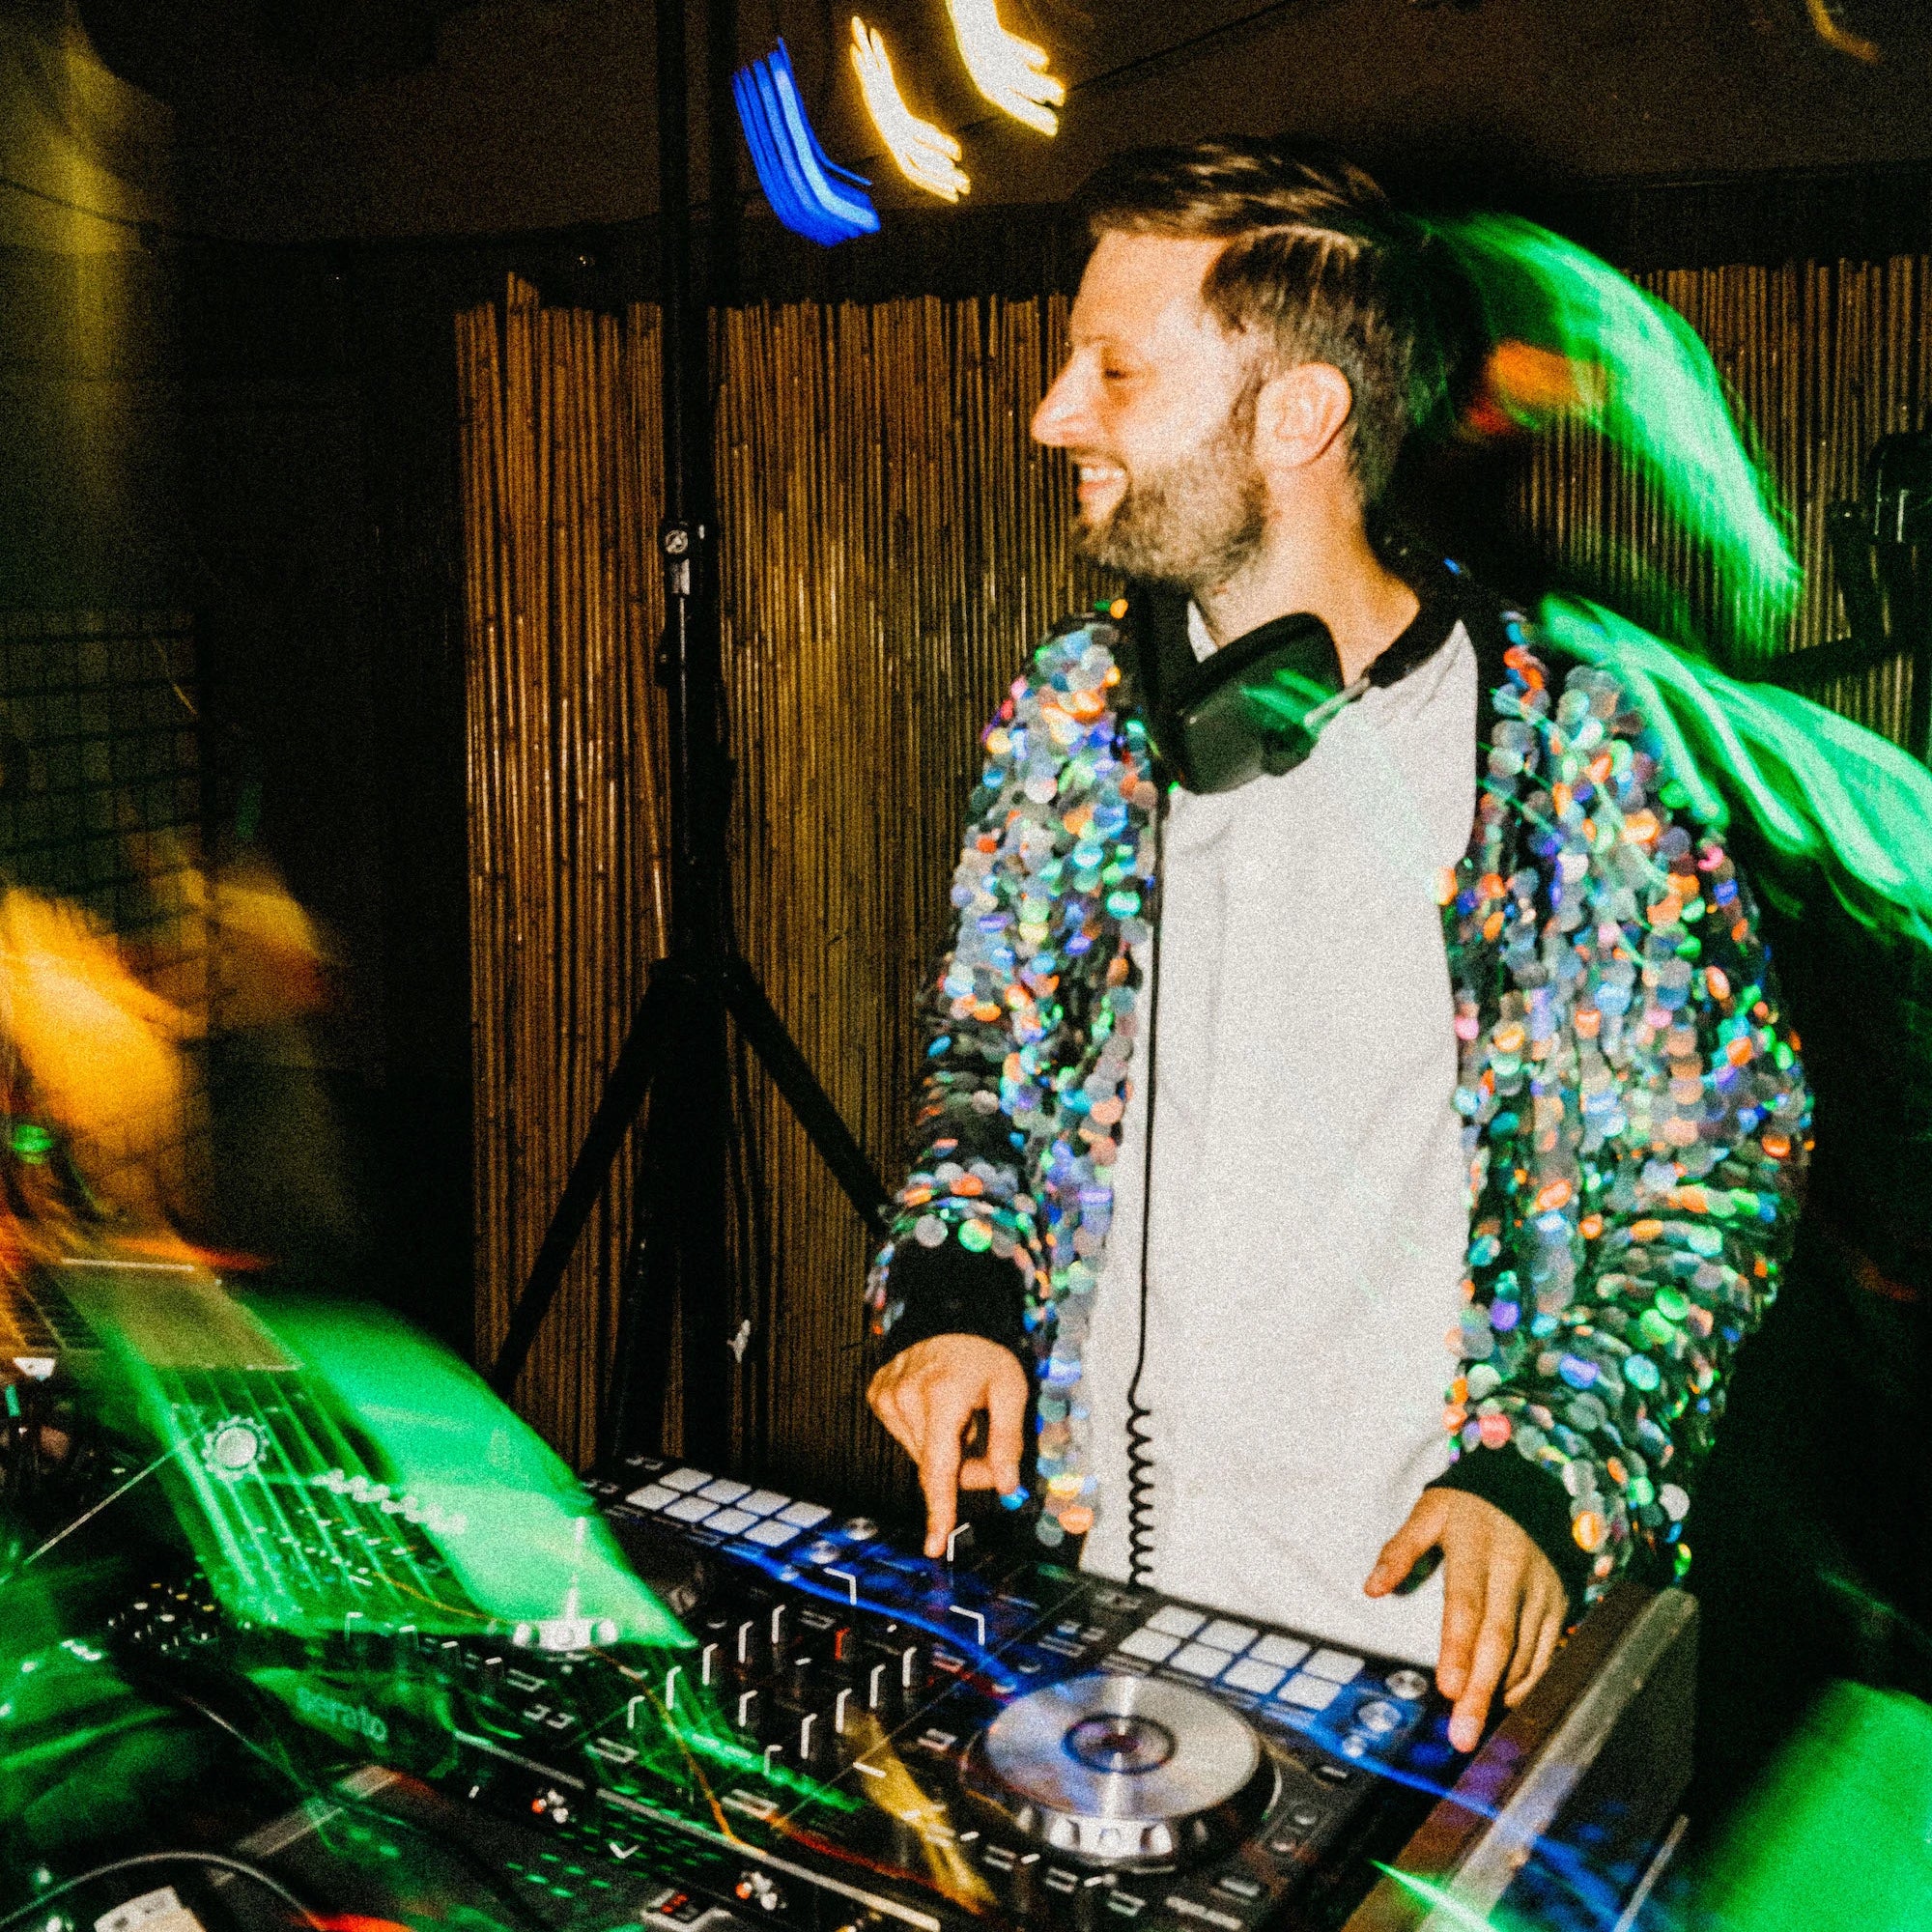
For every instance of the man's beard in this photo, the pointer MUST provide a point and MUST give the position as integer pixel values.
(1197, 522)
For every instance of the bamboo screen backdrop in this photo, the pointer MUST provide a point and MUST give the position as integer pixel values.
(892, 546)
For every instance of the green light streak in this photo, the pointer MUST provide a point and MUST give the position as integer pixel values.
(389, 1488)
(1830, 799)
(1288, 698)
(1464, 1915)
(1658, 396)
(530, 1537)
(1837, 1837)
(734, 1756)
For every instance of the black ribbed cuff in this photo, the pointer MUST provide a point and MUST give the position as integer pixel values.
(953, 1290)
(1533, 1498)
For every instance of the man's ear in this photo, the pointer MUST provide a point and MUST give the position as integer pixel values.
(1301, 413)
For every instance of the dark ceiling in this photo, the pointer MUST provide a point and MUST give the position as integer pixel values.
(304, 119)
(160, 44)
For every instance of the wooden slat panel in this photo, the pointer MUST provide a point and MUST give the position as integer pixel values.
(1824, 359)
(893, 544)
(561, 446)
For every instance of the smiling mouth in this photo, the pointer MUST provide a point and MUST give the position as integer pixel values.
(1098, 485)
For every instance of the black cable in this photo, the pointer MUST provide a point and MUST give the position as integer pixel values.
(222, 1860)
(1139, 1434)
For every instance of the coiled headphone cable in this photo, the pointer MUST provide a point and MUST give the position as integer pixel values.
(1140, 1432)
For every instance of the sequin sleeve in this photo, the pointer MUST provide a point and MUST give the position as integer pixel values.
(1637, 1120)
(965, 1251)
(1028, 1027)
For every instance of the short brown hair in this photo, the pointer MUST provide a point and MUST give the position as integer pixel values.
(1317, 261)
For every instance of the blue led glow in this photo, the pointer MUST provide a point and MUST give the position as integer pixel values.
(809, 192)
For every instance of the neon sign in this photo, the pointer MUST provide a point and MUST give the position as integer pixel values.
(1009, 71)
(809, 191)
(926, 156)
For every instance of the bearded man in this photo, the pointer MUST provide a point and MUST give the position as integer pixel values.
(1240, 1099)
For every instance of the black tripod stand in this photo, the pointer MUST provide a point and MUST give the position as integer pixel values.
(675, 1053)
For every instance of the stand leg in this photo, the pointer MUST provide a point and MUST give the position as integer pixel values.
(634, 1393)
(746, 1002)
(624, 1092)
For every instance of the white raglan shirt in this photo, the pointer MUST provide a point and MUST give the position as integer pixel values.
(1311, 1212)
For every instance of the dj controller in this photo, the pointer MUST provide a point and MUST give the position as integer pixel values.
(799, 1723)
(855, 1735)
(1020, 1741)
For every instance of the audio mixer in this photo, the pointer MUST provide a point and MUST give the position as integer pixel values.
(860, 1736)
(352, 1564)
(1022, 1742)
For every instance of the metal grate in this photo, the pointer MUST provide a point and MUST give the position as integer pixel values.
(100, 776)
(37, 1321)
(100, 798)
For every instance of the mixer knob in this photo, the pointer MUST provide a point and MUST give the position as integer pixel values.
(484, 1669)
(1028, 1896)
(755, 1888)
(710, 1664)
(745, 1645)
(879, 1688)
(747, 1712)
(912, 1669)
(1088, 1904)
(781, 1629)
(803, 1678)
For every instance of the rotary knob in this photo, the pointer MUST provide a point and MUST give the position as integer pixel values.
(233, 1448)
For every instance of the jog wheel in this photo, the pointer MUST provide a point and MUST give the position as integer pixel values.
(1123, 1770)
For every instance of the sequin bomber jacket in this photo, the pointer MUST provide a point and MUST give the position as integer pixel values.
(1635, 1117)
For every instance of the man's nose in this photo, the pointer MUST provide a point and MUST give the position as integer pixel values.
(1060, 421)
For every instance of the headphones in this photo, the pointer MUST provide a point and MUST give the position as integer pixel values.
(1253, 709)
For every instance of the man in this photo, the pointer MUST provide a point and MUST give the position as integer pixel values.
(1398, 1053)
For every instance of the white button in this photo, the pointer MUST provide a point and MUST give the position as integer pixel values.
(686, 1479)
(726, 1491)
(771, 1533)
(1407, 1685)
(1312, 1694)
(1224, 1634)
(1337, 1665)
(691, 1509)
(728, 1523)
(1245, 1674)
(1198, 1660)
(1151, 1645)
(803, 1515)
(1379, 1717)
(652, 1496)
(1285, 1651)
(762, 1502)
(1176, 1621)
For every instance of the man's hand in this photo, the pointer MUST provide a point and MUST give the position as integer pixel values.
(927, 1397)
(1502, 1602)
